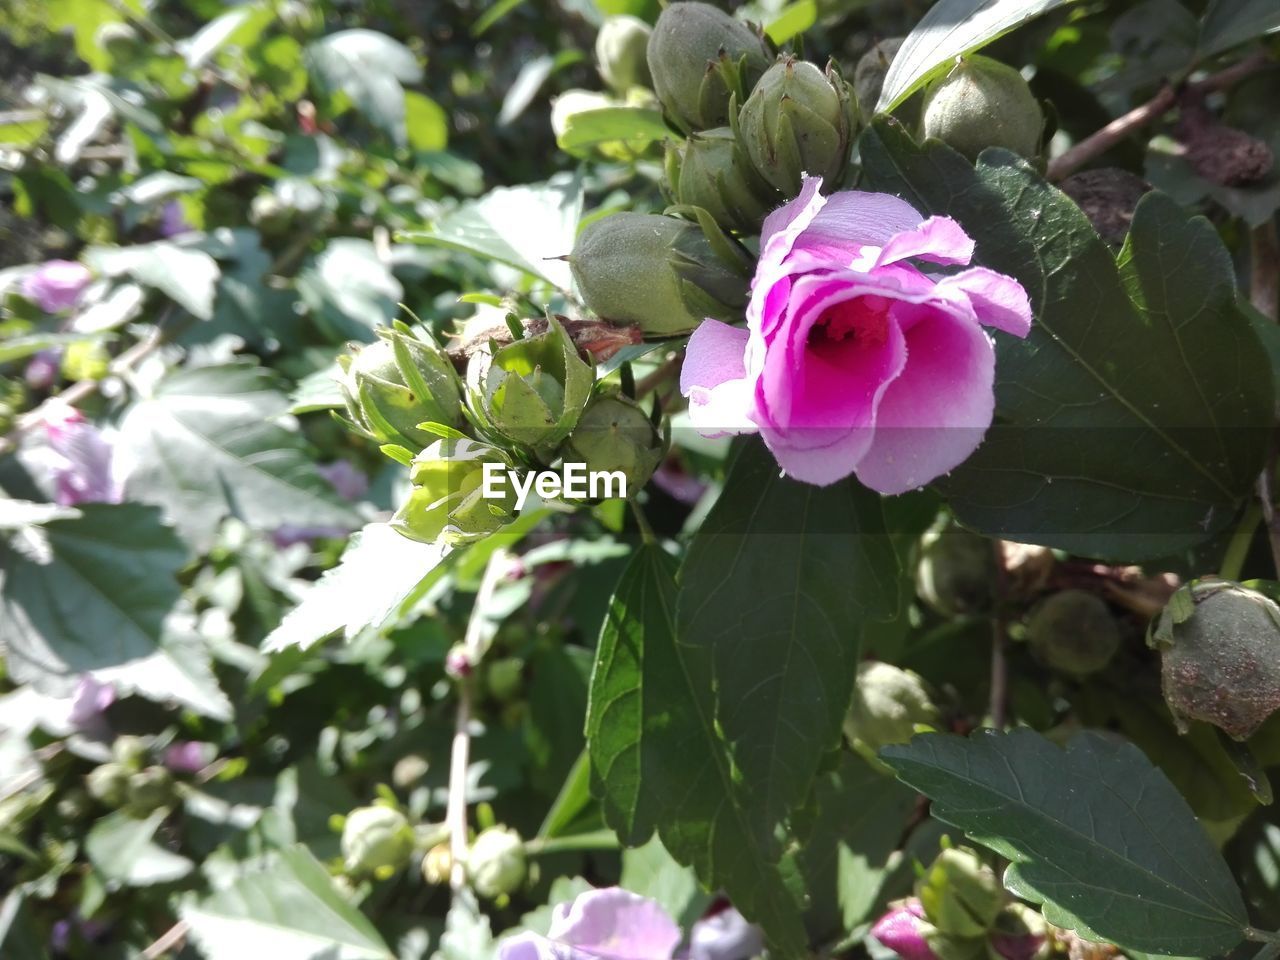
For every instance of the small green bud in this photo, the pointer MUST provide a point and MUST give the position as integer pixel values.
(799, 121)
(955, 571)
(130, 752)
(621, 50)
(710, 170)
(437, 864)
(1219, 646)
(376, 839)
(962, 896)
(398, 382)
(699, 57)
(447, 501)
(108, 784)
(984, 103)
(531, 391)
(658, 272)
(869, 74)
(504, 678)
(888, 702)
(1021, 933)
(148, 791)
(1073, 631)
(616, 436)
(496, 862)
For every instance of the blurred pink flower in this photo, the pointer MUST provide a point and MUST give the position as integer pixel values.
(56, 285)
(189, 756)
(82, 458)
(854, 359)
(173, 221)
(350, 482)
(42, 369)
(902, 931)
(89, 701)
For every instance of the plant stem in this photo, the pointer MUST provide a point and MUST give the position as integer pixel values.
(646, 531)
(455, 817)
(596, 840)
(168, 940)
(1103, 140)
(999, 631)
(1238, 549)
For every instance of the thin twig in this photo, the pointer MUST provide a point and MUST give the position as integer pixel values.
(455, 817)
(649, 382)
(999, 631)
(1103, 140)
(169, 939)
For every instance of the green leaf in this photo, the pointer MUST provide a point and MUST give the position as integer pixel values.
(791, 21)
(123, 850)
(350, 290)
(1133, 419)
(467, 934)
(658, 761)
(287, 908)
(773, 595)
(426, 121)
(1229, 23)
(652, 872)
(378, 572)
(185, 276)
(209, 445)
(950, 29)
(370, 68)
(19, 938)
(637, 127)
(1096, 834)
(526, 227)
(87, 17)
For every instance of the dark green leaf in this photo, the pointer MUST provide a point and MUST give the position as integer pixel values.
(1125, 427)
(1096, 833)
(1229, 23)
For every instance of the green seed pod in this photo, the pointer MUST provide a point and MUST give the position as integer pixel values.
(955, 571)
(447, 501)
(869, 74)
(532, 391)
(961, 895)
(1219, 645)
(616, 436)
(984, 103)
(799, 121)
(496, 863)
(108, 784)
(888, 702)
(711, 170)
(654, 271)
(398, 382)
(130, 752)
(699, 57)
(148, 791)
(621, 51)
(1073, 631)
(376, 840)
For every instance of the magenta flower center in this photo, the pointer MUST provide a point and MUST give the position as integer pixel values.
(866, 319)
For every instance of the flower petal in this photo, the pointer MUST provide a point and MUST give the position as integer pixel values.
(714, 379)
(938, 240)
(998, 301)
(782, 226)
(934, 415)
(851, 219)
(615, 924)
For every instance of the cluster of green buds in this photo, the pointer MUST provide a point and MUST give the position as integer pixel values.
(126, 782)
(530, 402)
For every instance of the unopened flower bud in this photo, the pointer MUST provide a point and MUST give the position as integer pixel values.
(149, 790)
(376, 839)
(699, 56)
(955, 570)
(108, 784)
(903, 930)
(1219, 645)
(799, 121)
(531, 391)
(457, 662)
(496, 862)
(621, 50)
(437, 865)
(984, 103)
(658, 272)
(961, 895)
(398, 382)
(1021, 933)
(869, 74)
(1073, 631)
(888, 703)
(130, 752)
(711, 170)
(615, 436)
(447, 501)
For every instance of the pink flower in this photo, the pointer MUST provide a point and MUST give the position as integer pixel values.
(56, 285)
(89, 701)
(349, 482)
(902, 931)
(189, 756)
(82, 458)
(854, 359)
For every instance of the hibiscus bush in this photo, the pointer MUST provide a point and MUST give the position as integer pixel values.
(639, 479)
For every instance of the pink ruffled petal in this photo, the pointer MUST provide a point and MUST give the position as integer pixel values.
(938, 240)
(615, 924)
(852, 219)
(934, 415)
(715, 380)
(780, 228)
(998, 301)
